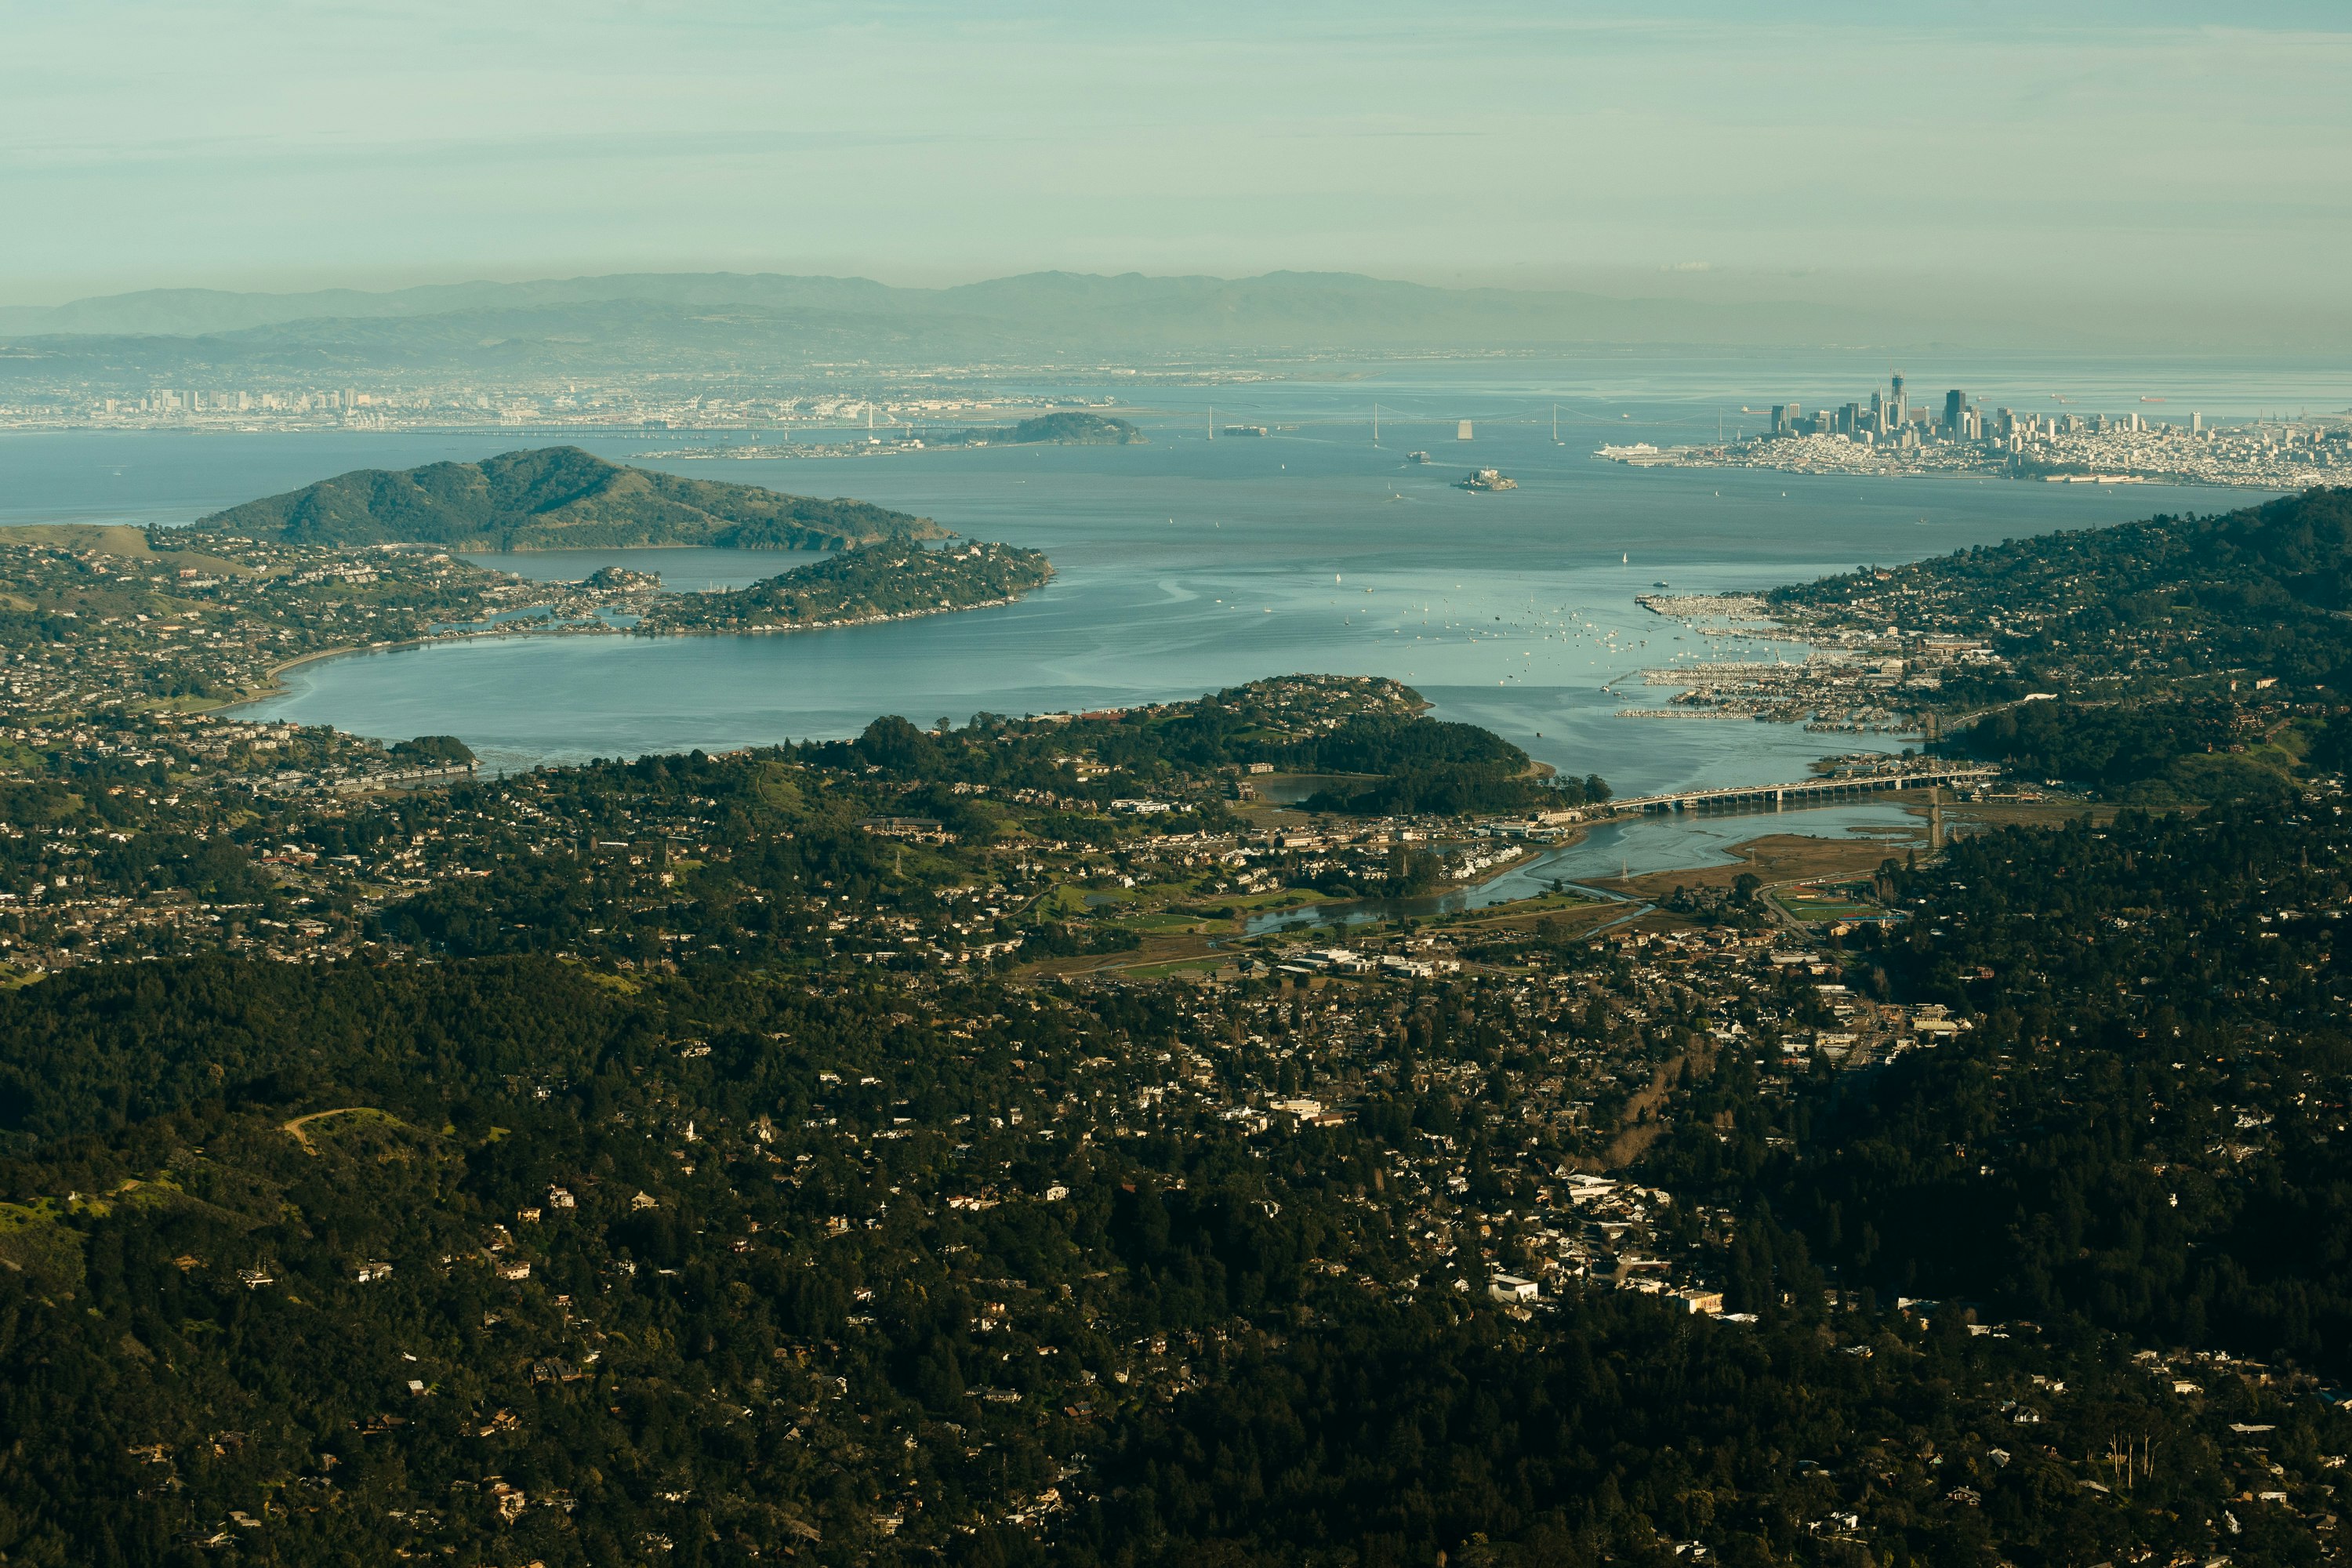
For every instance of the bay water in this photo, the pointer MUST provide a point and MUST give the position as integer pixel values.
(1198, 561)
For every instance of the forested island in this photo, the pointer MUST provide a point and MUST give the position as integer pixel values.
(870, 582)
(556, 498)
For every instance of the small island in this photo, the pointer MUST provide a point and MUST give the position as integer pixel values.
(873, 582)
(1069, 429)
(1488, 480)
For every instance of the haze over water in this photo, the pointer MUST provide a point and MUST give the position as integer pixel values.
(1189, 564)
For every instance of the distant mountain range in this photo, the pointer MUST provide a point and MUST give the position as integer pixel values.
(747, 322)
(558, 497)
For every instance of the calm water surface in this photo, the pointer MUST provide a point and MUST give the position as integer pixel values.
(1188, 565)
(1667, 841)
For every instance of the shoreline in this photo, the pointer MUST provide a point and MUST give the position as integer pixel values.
(277, 688)
(873, 620)
(1720, 458)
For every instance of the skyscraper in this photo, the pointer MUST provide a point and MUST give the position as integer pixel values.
(1902, 410)
(1954, 402)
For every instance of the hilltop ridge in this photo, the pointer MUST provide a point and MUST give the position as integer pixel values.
(558, 497)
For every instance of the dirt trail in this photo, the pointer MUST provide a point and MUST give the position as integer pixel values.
(297, 1129)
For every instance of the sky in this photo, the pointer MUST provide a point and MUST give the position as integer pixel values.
(2157, 154)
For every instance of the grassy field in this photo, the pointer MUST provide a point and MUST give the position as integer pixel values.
(1825, 905)
(1775, 857)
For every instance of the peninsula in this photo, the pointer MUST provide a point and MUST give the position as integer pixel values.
(556, 498)
(2175, 660)
(122, 620)
(871, 582)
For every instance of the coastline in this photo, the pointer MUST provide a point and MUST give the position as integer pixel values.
(873, 620)
(276, 686)
(1933, 463)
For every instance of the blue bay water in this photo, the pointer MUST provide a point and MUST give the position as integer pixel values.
(1191, 563)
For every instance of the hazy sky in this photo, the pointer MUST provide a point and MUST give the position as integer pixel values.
(1787, 149)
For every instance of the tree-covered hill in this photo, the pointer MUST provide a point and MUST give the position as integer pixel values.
(1371, 734)
(2265, 589)
(872, 581)
(2146, 1125)
(2173, 659)
(509, 1261)
(558, 497)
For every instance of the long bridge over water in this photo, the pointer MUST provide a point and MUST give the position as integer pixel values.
(1807, 792)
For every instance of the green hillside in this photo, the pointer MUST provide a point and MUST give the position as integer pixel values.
(863, 584)
(558, 497)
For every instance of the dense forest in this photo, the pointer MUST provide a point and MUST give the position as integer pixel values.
(2144, 1129)
(516, 1258)
(2154, 752)
(499, 1259)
